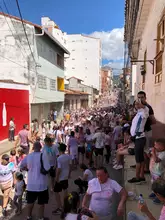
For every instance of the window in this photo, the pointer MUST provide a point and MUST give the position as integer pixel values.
(158, 74)
(53, 84)
(42, 84)
(159, 49)
(60, 61)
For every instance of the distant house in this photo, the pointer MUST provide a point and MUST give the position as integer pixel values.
(77, 85)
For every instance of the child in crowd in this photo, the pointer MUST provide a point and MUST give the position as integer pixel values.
(71, 207)
(157, 164)
(82, 182)
(158, 188)
(13, 158)
(20, 156)
(19, 190)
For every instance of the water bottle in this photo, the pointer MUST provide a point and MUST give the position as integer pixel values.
(141, 199)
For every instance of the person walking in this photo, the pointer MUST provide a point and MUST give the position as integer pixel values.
(38, 166)
(63, 171)
(24, 139)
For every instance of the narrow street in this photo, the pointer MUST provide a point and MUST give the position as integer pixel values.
(114, 174)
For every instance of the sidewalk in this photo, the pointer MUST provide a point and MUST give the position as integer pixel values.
(144, 189)
(6, 146)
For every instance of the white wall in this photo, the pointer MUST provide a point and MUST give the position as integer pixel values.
(155, 92)
(85, 59)
(17, 63)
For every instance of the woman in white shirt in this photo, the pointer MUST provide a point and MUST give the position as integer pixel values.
(100, 192)
(6, 180)
(82, 182)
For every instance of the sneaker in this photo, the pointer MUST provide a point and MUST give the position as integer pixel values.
(152, 196)
(134, 180)
(118, 167)
(4, 212)
(142, 180)
(114, 167)
(133, 166)
(57, 211)
(156, 201)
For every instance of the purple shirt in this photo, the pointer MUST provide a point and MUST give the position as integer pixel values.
(23, 135)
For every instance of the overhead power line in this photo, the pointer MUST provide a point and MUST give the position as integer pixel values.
(19, 10)
(7, 10)
(11, 30)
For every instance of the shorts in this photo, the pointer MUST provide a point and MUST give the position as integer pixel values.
(52, 172)
(139, 149)
(81, 150)
(62, 185)
(98, 151)
(6, 188)
(42, 197)
(25, 149)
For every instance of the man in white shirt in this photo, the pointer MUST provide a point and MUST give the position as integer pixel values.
(138, 132)
(11, 129)
(63, 171)
(37, 184)
(99, 138)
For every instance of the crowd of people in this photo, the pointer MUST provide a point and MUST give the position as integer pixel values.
(91, 140)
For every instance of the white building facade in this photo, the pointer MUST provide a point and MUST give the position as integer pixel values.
(85, 59)
(148, 47)
(42, 67)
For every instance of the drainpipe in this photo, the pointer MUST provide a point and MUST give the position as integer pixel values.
(40, 34)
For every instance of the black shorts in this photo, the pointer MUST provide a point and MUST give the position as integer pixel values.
(52, 172)
(42, 197)
(62, 185)
(99, 151)
(139, 149)
(81, 150)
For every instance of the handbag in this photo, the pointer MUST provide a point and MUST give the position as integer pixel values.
(42, 170)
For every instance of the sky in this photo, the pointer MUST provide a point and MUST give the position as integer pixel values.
(103, 19)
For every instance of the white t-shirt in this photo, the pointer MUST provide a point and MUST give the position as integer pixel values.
(19, 188)
(89, 137)
(89, 173)
(117, 132)
(71, 216)
(52, 153)
(11, 126)
(57, 134)
(36, 180)
(101, 197)
(99, 137)
(6, 172)
(63, 162)
(158, 168)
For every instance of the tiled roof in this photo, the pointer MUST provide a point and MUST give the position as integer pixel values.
(74, 92)
(12, 82)
(75, 78)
